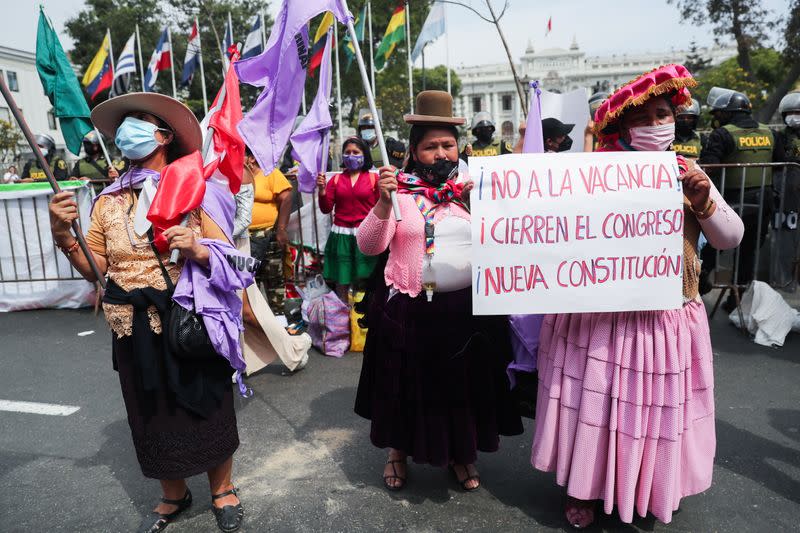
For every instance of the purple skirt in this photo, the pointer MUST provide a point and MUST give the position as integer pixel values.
(433, 380)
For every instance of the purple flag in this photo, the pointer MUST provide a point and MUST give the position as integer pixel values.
(525, 328)
(310, 139)
(534, 143)
(281, 70)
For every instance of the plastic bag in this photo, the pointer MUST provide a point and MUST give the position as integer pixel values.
(328, 318)
(767, 316)
(358, 335)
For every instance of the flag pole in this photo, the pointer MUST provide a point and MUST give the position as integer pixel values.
(263, 31)
(44, 165)
(202, 72)
(408, 56)
(335, 48)
(111, 54)
(446, 46)
(371, 101)
(371, 48)
(172, 63)
(141, 63)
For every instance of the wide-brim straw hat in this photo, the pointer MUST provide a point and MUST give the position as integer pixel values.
(434, 108)
(188, 137)
(668, 79)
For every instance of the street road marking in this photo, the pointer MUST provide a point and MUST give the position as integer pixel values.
(37, 408)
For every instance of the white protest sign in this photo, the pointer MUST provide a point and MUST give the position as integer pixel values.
(576, 233)
(569, 108)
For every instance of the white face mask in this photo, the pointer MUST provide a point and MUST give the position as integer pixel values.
(652, 138)
(793, 121)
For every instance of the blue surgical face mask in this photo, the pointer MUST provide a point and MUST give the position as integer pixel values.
(368, 135)
(136, 138)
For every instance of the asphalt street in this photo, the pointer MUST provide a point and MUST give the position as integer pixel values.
(306, 464)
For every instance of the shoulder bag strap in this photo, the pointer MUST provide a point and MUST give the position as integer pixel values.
(167, 279)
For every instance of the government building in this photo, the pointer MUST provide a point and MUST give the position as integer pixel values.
(491, 87)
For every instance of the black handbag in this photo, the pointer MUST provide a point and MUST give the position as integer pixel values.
(187, 336)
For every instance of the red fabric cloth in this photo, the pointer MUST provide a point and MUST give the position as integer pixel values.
(226, 136)
(180, 191)
(350, 204)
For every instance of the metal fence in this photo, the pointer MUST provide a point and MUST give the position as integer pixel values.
(769, 211)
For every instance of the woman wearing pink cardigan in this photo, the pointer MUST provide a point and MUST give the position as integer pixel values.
(433, 380)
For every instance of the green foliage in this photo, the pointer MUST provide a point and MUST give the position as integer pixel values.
(436, 79)
(10, 139)
(768, 70)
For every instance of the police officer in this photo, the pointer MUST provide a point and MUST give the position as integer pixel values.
(485, 144)
(366, 130)
(32, 171)
(93, 166)
(590, 143)
(739, 138)
(688, 142)
(787, 149)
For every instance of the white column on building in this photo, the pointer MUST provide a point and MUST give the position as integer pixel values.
(465, 110)
(516, 111)
(495, 110)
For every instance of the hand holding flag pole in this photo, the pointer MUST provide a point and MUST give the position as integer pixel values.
(44, 165)
(371, 101)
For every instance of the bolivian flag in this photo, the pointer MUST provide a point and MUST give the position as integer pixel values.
(320, 38)
(395, 33)
(99, 74)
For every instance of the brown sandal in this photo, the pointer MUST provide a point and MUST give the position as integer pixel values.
(463, 482)
(394, 476)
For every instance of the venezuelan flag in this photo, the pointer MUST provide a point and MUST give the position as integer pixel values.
(99, 74)
(395, 33)
(320, 38)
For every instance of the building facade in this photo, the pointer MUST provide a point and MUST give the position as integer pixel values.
(491, 87)
(18, 68)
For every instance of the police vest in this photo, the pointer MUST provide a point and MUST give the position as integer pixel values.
(377, 159)
(496, 148)
(58, 166)
(88, 170)
(690, 148)
(751, 145)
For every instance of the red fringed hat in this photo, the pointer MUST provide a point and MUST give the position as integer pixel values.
(663, 80)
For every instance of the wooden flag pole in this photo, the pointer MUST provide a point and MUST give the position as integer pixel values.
(37, 152)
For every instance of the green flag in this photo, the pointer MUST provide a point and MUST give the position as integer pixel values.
(349, 47)
(395, 33)
(61, 86)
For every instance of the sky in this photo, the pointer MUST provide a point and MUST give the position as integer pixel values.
(601, 27)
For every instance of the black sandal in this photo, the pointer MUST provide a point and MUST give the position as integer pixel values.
(463, 482)
(394, 476)
(155, 522)
(229, 518)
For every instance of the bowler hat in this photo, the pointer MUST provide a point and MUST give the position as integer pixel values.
(434, 108)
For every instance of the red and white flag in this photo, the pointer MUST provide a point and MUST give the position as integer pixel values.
(549, 26)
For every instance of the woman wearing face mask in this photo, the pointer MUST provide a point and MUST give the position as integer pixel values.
(625, 411)
(180, 411)
(433, 380)
(349, 195)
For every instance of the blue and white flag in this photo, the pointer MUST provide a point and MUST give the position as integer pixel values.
(227, 42)
(160, 60)
(433, 28)
(126, 65)
(253, 43)
(192, 59)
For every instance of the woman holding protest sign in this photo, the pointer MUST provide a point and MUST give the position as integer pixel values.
(433, 380)
(349, 195)
(625, 411)
(179, 405)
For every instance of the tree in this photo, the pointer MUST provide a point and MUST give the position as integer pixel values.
(694, 61)
(791, 57)
(10, 139)
(436, 79)
(742, 19)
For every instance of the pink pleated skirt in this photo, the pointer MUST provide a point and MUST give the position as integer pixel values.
(625, 410)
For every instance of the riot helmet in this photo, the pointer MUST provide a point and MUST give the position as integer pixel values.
(366, 128)
(721, 99)
(483, 127)
(91, 143)
(47, 145)
(789, 109)
(686, 118)
(595, 101)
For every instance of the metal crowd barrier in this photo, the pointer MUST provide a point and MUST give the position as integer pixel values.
(38, 248)
(730, 179)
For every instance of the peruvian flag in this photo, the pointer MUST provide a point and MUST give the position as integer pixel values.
(225, 156)
(549, 26)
